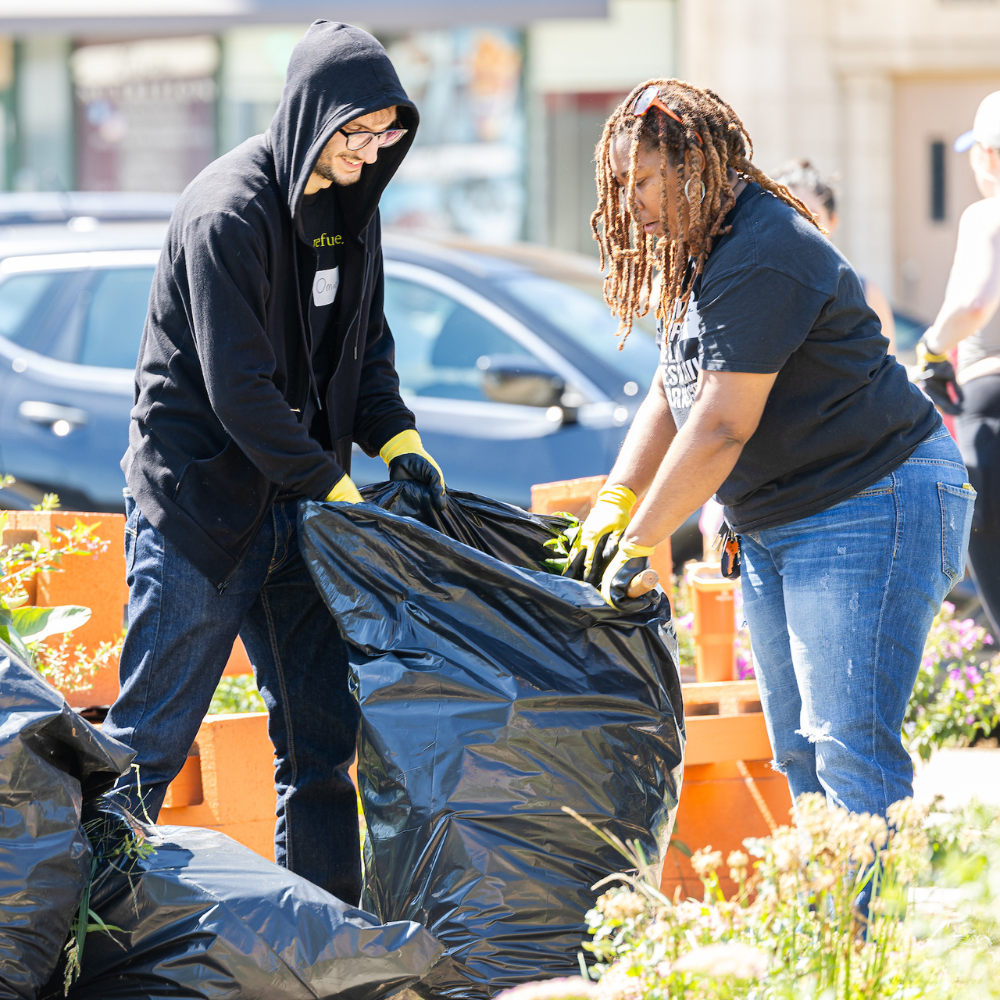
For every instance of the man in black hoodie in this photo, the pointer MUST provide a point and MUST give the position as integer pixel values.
(265, 356)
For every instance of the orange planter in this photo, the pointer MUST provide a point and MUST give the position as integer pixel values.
(729, 791)
(96, 582)
(229, 785)
(713, 623)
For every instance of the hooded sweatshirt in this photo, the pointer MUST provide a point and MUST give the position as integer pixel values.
(225, 392)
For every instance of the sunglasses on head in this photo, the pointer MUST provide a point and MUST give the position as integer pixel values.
(650, 98)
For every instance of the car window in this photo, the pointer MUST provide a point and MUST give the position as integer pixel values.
(586, 320)
(24, 298)
(439, 341)
(114, 317)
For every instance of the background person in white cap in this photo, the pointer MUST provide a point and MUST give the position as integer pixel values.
(969, 319)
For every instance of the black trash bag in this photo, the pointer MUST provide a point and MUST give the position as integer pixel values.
(202, 916)
(492, 695)
(50, 759)
(507, 533)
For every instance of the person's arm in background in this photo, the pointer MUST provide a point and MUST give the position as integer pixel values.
(973, 292)
(879, 304)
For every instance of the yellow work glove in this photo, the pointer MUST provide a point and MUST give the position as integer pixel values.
(627, 562)
(345, 491)
(405, 456)
(608, 517)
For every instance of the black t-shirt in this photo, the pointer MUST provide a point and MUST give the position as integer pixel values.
(321, 276)
(777, 296)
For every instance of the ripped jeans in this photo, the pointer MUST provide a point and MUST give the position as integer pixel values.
(839, 605)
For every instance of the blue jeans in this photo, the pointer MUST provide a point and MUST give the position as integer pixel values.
(181, 632)
(839, 605)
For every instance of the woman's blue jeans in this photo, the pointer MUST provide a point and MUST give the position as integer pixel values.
(181, 632)
(839, 605)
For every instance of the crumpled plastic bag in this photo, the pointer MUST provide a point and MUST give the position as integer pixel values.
(49, 760)
(204, 917)
(492, 694)
(200, 917)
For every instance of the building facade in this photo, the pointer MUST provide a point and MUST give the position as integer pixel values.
(871, 91)
(513, 97)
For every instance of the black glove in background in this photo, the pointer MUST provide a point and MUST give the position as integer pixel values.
(934, 377)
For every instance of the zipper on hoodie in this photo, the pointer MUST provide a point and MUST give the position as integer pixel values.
(361, 304)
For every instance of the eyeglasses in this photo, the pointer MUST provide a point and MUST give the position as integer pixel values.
(650, 98)
(358, 140)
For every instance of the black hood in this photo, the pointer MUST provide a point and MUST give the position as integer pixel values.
(337, 73)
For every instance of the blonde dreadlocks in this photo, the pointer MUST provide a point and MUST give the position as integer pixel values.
(708, 142)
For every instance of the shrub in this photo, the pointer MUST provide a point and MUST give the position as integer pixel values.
(792, 931)
(235, 695)
(956, 697)
(27, 628)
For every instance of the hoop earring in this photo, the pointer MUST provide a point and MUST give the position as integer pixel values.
(687, 194)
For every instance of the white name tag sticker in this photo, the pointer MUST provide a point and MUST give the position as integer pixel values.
(325, 286)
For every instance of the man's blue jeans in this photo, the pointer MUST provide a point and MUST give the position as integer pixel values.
(181, 632)
(839, 605)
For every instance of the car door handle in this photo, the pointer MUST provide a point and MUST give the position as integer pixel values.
(61, 419)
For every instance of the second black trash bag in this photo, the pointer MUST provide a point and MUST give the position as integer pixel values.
(492, 695)
(202, 917)
(50, 759)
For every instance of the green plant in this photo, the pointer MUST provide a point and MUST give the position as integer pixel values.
(26, 628)
(235, 695)
(792, 931)
(70, 668)
(956, 697)
(119, 843)
(561, 544)
(683, 617)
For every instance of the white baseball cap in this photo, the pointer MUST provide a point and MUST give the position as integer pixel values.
(986, 126)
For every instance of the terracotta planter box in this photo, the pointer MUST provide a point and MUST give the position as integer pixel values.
(95, 582)
(729, 791)
(227, 783)
(713, 623)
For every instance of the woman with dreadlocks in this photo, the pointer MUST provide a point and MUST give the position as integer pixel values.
(775, 393)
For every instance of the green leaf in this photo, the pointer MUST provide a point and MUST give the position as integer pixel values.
(680, 847)
(35, 624)
(10, 636)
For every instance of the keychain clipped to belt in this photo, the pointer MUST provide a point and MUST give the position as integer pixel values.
(727, 544)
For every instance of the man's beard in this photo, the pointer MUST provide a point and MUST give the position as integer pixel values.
(327, 172)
